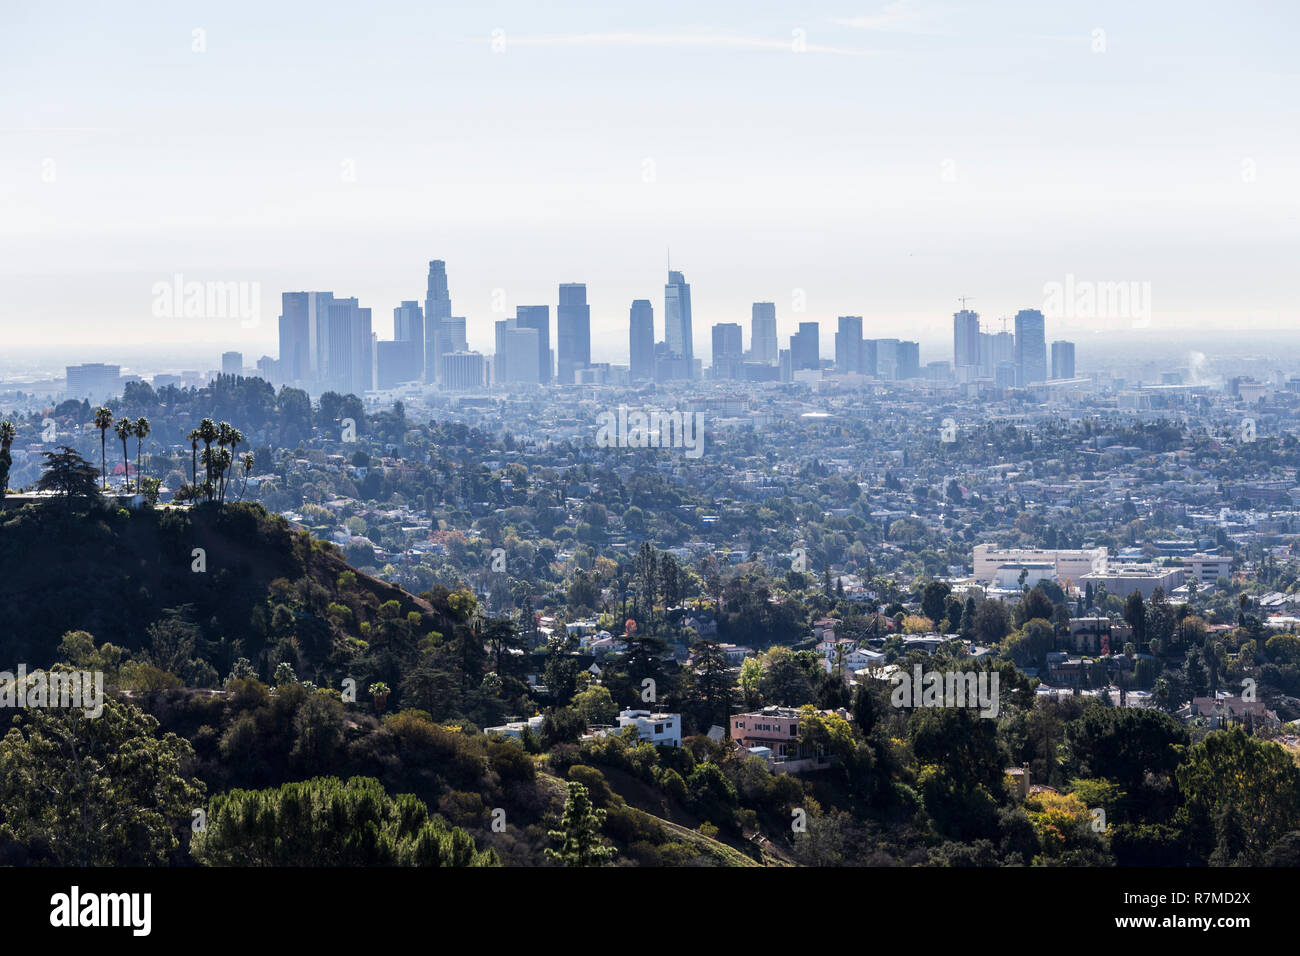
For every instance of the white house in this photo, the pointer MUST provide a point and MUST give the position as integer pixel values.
(660, 729)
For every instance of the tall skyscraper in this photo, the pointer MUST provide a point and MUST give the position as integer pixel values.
(344, 344)
(437, 310)
(232, 363)
(805, 347)
(641, 341)
(1062, 359)
(572, 332)
(1031, 347)
(868, 364)
(848, 344)
(677, 320)
(297, 337)
(762, 334)
(538, 317)
(965, 338)
(728, 350)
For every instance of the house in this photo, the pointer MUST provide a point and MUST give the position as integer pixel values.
(513, 730)
(1222, 710)
(775, 730)
(660, 729)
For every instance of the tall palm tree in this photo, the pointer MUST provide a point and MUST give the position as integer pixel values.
(103, 421)
(194, 457)
(142, 430)
(125, 428)
(208, 433)
(248, 463)
(233, 438)
(7, 435)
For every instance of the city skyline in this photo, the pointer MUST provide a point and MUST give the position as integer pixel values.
(811, 185)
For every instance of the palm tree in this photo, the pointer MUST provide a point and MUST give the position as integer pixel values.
(248, 462)
(125, 428)
(194, 457)
(233, 437)
(7, 435)
(142, 430)
(103, 421)
(223, 439)
(222, 463)
(208, 433)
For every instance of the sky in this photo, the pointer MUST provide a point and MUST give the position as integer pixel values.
(843, 158)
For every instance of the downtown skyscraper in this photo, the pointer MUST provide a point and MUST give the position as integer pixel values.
(678, 334)
(763, 348)
(641, 340)
(1031, 347)
(538, 318)
(965, 339)
(437, 313)
(572, 332)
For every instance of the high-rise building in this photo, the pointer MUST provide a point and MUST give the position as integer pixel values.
(1031, 347)
(94, 381)
(538, 317)
(805, 347)
(677, 319)
(1062, 359)
(297, 341)
(995, 349)
(572, 332)
(462, 370)
(762, 334)
(887, 363)
(516, 353)
(965, 338)
(641, 341)
(344, 344)
(728, 350)
(867, 364)
(909, 360)
(232, 363)
(437, 310)
(848, 344)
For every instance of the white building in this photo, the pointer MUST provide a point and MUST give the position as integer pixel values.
(660, 729)
(1070, 564)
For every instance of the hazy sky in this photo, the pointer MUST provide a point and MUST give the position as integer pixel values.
(878, 159)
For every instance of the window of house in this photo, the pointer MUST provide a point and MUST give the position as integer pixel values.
(659, 728)
(794, 730)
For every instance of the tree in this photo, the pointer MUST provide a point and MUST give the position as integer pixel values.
(208, 433)
(1136, 616)
(1242, 793)
(103, 421)
(596, 705)
(68, 475)
(85, 791)
(124, 429)
(329, 822)
(751, 676)
(579, 833)
(934, 600)
(141, 431)
(194, 456)
(712, 682)
(7, 435)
